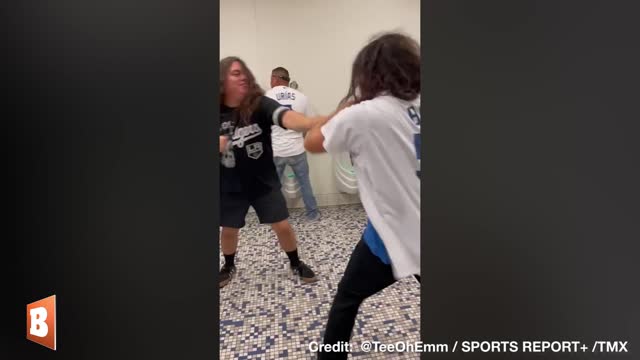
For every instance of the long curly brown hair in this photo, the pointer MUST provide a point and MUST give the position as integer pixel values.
(252, 99)
(389, 63)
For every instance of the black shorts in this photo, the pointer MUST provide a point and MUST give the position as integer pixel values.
(271, 207)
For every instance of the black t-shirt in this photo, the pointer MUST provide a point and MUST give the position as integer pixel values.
(248, 166)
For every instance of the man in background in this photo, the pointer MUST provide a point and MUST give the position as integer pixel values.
(288, 145)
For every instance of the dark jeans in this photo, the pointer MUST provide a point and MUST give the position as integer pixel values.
(300, 167)
(364, 276)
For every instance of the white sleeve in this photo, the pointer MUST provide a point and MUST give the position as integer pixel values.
(341, 132)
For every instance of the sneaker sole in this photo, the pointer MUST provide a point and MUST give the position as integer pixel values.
(226, 282)
(309, 280)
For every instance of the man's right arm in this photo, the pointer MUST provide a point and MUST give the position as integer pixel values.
(224, 141)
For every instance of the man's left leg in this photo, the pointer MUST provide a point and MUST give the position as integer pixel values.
(300, 167)
(272, 209)
(280, 164)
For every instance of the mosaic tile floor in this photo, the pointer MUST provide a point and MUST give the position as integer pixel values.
(266, 313)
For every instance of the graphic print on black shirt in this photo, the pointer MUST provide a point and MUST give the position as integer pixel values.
(248, 164)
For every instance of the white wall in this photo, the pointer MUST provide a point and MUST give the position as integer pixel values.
(317, 41)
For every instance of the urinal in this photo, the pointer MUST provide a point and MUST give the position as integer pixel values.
(346, 180)
(290, 186)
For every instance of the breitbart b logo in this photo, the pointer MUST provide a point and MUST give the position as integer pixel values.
(41, 322)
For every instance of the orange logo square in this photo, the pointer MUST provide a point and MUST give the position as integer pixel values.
(41, 322)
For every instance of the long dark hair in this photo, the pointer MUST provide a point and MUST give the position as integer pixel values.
(389, 63)
(252, 99)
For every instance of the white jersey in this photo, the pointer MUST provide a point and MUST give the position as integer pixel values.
(383, 137)
(287, 143)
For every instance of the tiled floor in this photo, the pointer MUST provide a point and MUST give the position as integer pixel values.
(266, 313)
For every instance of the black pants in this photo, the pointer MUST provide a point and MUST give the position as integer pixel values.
(364, 276)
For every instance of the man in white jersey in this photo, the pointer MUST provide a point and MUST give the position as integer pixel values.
(288, 145)
(378, 123)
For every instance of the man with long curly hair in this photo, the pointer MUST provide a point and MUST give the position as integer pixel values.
(248, 175)
(378, 123)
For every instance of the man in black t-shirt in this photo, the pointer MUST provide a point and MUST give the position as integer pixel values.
(248, 175)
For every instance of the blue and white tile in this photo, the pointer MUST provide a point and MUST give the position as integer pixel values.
(266, 313)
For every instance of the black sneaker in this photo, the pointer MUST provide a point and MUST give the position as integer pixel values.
(304, 272)
(226, 274)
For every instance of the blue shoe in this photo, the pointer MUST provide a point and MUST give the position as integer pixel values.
(314, 216)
